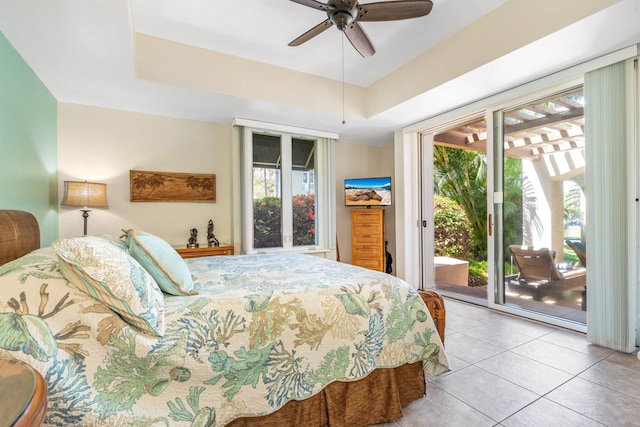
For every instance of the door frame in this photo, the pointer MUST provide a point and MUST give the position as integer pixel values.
(426, 219)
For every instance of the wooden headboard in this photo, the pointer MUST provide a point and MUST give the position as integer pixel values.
(19, 234)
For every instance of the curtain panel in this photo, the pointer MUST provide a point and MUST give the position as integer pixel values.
(610, 121)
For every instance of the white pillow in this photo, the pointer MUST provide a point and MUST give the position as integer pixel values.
(114, 278)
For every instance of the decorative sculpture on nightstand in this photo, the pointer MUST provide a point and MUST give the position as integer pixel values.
(211, 238)
(193, 240)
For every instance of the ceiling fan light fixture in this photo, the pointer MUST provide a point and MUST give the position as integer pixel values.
(341, 19)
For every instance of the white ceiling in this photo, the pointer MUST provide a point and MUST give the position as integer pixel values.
(83, 52)
(260, 30)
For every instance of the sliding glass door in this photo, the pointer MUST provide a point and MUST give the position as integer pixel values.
(552, 218)
(540, 243)
(454, 209)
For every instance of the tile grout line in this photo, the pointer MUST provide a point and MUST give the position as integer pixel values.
(573, 376)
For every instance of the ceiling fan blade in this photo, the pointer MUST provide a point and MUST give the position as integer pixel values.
(314, 4)
(394, 10)
(312, 32)
(359, 39)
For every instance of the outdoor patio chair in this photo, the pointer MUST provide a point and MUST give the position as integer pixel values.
(539, 274)
(579, 249)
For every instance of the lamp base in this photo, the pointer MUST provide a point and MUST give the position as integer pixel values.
(85, 215)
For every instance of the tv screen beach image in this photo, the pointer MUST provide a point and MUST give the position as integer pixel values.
(367, 191)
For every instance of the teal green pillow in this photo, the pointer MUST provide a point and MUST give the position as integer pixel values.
(164, 264)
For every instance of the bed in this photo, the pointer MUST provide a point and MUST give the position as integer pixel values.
(273, 339)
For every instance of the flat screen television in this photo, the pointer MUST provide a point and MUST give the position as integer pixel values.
(367, 191)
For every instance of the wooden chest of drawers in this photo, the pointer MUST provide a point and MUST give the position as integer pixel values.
(367, 238)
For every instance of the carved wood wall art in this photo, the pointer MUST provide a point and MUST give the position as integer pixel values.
(151, 186)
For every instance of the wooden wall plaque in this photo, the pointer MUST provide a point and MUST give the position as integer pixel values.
(151, 186)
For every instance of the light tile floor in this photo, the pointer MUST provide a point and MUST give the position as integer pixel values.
(508, 371)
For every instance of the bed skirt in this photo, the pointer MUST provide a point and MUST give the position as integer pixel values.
(378, 398)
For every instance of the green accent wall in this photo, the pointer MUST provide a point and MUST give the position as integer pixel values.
(28, 143)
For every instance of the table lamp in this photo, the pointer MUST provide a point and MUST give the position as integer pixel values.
(85, 194)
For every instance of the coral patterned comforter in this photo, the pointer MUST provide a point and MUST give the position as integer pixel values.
(263, 330)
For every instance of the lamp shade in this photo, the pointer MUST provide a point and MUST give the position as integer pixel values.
(85, 194)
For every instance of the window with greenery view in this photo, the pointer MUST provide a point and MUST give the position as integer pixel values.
(284, 194)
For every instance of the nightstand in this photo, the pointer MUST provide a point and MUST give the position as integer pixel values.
(24, 394)
(223, 249)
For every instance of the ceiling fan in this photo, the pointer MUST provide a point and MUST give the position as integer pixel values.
(347, 15)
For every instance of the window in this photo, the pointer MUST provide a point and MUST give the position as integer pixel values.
(288, 190)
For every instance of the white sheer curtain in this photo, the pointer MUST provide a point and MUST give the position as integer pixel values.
(610, 116)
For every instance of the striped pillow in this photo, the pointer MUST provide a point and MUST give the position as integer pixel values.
(114, 278)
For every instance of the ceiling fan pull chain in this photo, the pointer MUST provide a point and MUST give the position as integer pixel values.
(343, 120)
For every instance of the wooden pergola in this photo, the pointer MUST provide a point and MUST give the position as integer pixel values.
(548, 135)
(552, 125)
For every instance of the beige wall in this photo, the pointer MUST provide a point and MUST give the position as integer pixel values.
(359, 161)
(102, 145)
(387, 169)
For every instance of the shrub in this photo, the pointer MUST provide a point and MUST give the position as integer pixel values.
(267, 221)
(304, 220)
(452, 229)
(478, 273)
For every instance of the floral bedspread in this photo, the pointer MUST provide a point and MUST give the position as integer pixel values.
(263, 330)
